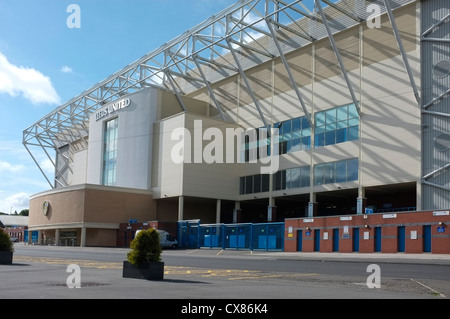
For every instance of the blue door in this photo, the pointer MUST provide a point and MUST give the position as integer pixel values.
(377, 239)
(299, 240)
(317, 240)
(401, 239)
(356, 239)
(335, 239)
(427, 239)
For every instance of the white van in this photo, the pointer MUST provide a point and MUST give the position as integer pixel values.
(165, 239)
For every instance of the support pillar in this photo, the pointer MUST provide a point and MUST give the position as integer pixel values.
(39, 240)
(312, 209)
(83, 237)
(312, 205)
(57, 236)
(271, 210)
(218, 211)
(361, 202)
(180, 208)
(237, 212)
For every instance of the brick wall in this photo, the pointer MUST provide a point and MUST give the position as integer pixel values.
(388, 237)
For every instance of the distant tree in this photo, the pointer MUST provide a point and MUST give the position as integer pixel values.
(24, 212)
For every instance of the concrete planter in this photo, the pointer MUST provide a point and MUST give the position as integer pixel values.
(148, 270)
(6, 257)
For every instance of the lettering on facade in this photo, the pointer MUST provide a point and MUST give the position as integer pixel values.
(112, 108)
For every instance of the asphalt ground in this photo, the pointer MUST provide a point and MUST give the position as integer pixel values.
(44, 273)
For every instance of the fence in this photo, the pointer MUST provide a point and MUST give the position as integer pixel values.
(269, 236)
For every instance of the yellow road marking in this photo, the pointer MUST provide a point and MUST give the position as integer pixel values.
(228, 274)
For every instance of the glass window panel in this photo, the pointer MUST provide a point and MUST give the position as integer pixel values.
(320, 129)
(305, 176)
(342, 113)
(265, 183)
(330, 116)
(330, 138)
(328, 173)
(242, 186)
(306, 142)
(353, 122)
(341, 171)
(353, 133)
(341, 124)
(319, 140)
(318, 174)
(288, 146)
(277, 181)
(296, 124)
(341, 135)
(352, 170)
(283, 179)
(296, 134)
(296, 145)
(330, 127)
(294, 177)
(110, 152)
(249, 184)
(320, 119)
(257, 184)
(305, 123)
(352, 112)
(306, 132)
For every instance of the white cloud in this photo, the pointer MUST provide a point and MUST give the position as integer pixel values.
(47, 166)
(66, 69)
(32, 84)
(15, 202)
(8, 167)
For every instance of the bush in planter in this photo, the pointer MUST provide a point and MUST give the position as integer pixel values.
(145, 247)
(6, 248)
(144, 259)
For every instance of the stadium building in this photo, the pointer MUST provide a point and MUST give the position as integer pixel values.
(267, 111)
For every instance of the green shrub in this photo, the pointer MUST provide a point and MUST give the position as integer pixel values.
(145, 247)
(5, 242)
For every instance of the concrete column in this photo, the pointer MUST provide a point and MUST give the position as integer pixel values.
(83, 237)
(419, 195)
(361, 201)
(39, 241)
(271, 210)
(312, 205)
(181, 208)
(218, 210)
(237, 212)
(57, 236)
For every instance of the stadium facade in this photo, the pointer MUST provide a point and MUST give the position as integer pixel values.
(344, 109)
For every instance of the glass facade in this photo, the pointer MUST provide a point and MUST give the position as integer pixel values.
(254, 184)
(336, 172)
(332, 126)
(295, 135)
(336, 125)
(291, 178)
(110, 152)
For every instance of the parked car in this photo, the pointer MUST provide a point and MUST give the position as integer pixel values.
(14, 239)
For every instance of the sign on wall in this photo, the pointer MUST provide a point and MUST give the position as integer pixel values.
(112, 108)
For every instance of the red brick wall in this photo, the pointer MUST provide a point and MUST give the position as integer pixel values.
(126, 231)
(389, 223)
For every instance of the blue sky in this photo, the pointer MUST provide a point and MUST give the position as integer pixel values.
(43, 64)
